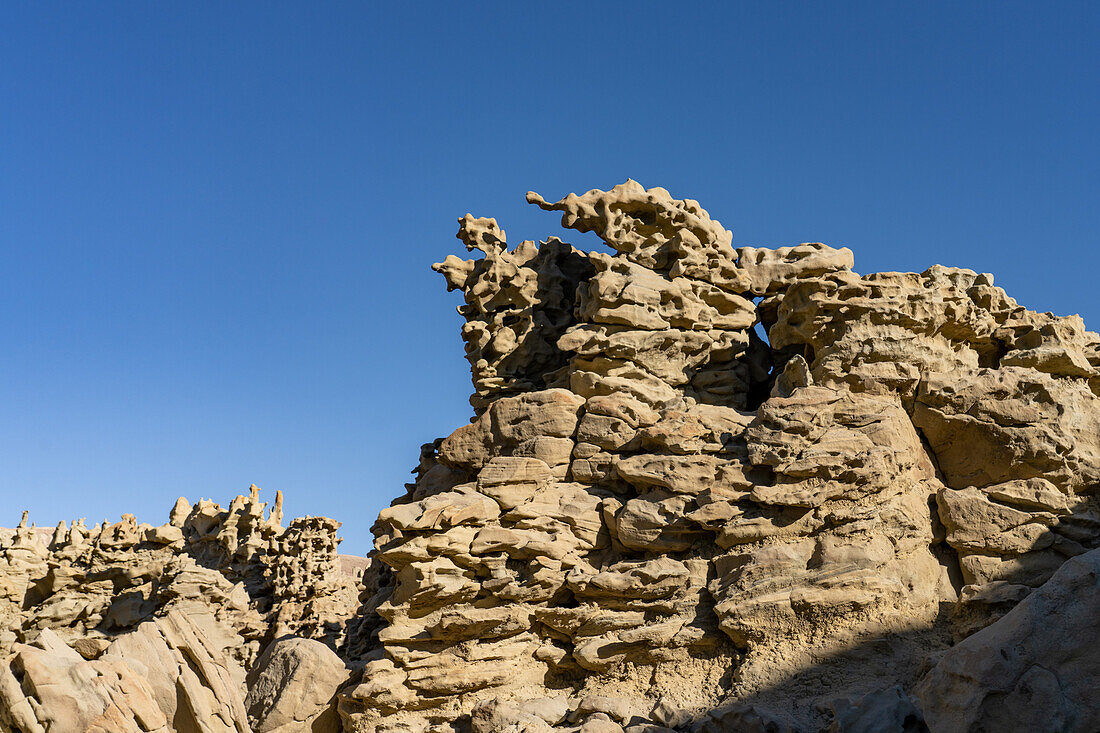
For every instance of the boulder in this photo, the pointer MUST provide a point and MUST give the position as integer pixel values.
(293, 687)
(1034, 669)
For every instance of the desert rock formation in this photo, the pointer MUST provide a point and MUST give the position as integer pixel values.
(703, 489)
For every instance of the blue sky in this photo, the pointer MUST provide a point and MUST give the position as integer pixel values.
(217, 219)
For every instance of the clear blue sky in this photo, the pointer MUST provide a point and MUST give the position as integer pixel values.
(217, 219)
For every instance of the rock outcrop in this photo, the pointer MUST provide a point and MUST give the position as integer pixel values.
(703, 489)
(134, 627)
(1035, 669)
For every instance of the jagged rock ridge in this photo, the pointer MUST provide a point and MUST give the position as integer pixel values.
(704, 488)
(133, 627)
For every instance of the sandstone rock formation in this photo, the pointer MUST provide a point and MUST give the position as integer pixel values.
(1035, 669)
(128, 626)
(703, 489)
(292, 687)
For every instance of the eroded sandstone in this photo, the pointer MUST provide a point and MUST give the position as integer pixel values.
(703, 489)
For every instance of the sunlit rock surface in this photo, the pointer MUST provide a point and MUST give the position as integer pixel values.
(703, 489)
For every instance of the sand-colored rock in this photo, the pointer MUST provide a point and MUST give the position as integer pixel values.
(47, 687)
(703, 489)
(292, 687)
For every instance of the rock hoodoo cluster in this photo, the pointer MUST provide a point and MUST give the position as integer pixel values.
(704, 489)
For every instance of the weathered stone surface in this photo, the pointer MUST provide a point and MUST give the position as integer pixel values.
(165, 614)
(292, 687)
(49, 687)
(683, 474)
(518, 303)
(883, 710)
(1034, 669)
(992, 426)
(494, 715)
(643, 225)
(166, 675)
(975, 522)
(704, 489)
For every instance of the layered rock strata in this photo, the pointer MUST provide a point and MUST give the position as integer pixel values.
(721, 476)
(703, 489)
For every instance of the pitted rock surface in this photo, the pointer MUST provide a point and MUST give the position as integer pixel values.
(703, 489)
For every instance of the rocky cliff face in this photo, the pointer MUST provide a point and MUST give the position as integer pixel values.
(704, 489)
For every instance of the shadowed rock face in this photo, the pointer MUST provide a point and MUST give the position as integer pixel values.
(704, 488)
